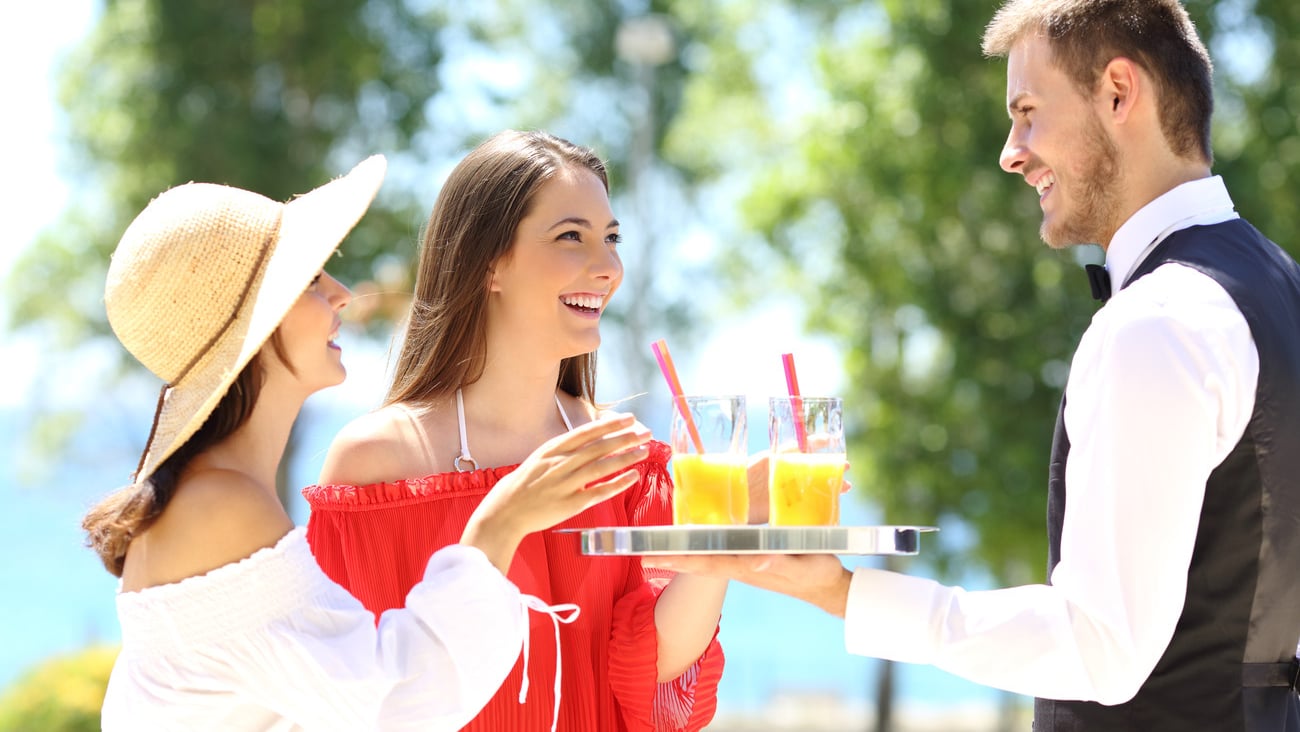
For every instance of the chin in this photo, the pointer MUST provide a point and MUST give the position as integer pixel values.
(1058, 237)
(334, 380)
(587, 343)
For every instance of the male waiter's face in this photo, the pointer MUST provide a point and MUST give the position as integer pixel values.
(1059, 145)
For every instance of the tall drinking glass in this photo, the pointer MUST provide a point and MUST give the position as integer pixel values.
(710, 484)
(807, 460)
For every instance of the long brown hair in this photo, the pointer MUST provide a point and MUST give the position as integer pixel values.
(112, 523)
(1158, 34)
(470, 230)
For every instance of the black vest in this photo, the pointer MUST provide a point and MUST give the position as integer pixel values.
(1243, 586)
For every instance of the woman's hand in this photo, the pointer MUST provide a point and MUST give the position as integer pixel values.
(563, 477)
(818, 579)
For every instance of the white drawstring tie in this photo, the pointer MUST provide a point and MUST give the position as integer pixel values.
(557, 613)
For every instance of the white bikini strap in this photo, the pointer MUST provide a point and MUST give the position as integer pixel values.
(464, 456)
(567, 424)
(557, 613)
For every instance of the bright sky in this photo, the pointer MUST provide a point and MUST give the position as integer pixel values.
(33, 193)
(31, 36)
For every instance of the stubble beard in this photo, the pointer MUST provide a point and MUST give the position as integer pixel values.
(1091, 216)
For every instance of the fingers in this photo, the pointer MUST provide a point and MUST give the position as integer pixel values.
(612, 443)
(599, 470)
(594, 430)
(606, 489)
(597, 440)
(822, 442)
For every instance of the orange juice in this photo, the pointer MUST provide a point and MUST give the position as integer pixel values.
(710, 489)
(804, 489)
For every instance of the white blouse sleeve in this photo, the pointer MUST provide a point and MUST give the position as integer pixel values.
(272, 639)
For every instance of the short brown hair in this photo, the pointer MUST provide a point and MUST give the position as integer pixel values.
(471, 228)
(1085, 35)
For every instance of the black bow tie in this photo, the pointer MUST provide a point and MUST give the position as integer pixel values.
(1099, 280)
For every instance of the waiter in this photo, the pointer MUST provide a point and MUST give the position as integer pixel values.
(1173, 600)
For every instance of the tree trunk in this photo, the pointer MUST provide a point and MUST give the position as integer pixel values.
(885, 697)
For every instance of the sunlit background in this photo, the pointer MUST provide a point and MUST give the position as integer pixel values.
(799, 176)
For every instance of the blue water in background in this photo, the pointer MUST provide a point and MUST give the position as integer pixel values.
(57, 598)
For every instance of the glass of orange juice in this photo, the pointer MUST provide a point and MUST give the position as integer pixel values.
(807, 460)
(709, 460)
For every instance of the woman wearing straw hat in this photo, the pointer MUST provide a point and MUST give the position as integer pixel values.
(227, 621)
(518, 261)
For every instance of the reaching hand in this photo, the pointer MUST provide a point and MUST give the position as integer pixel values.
(563, 477)
(818, 579)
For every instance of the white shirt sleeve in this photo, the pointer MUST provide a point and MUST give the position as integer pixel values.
(1161, 388)
(272, 643)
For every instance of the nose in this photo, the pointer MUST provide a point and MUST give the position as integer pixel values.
(1014, 153)
(339, 294)
(606, 264)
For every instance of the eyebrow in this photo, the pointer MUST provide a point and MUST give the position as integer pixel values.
(579, 221)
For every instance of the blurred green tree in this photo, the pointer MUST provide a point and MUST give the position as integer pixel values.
(1255, 47)
(882, 200)
(611, 76)
(874, 194)
(62, 694)
(276, 97)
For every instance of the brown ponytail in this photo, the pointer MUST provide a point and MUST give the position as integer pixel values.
(115, 521)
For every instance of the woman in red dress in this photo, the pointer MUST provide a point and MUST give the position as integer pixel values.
(518, 262)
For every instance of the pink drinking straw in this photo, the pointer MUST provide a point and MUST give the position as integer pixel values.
(796, 404)
(660, 348)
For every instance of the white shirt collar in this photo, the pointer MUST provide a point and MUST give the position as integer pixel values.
(1195, 203)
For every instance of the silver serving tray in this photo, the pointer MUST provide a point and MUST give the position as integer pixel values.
(646, 540)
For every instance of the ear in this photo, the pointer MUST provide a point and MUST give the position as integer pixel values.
(493, 286)
(1121, 88)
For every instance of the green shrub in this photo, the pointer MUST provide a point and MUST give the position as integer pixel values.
(61, 694)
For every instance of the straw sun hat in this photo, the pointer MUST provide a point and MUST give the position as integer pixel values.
(203, 277)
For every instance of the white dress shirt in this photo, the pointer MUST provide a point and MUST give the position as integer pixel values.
(271, 643)
(1161, 388)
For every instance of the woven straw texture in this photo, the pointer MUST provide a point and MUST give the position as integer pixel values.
(203, 277)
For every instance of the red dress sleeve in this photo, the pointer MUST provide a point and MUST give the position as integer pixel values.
(687, 703)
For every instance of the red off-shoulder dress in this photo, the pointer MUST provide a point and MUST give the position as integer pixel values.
(376, 539)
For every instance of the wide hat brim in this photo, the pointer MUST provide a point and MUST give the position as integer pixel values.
(311, 228)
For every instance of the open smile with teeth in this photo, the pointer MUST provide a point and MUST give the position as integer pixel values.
(1045, 183)
(588, 304)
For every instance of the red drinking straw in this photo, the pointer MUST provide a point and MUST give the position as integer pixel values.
(796, 404)
(660, 348)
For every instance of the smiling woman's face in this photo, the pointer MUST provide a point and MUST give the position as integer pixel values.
(562, 268)
(307, 336)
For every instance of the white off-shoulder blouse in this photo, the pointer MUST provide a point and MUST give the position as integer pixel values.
(271, 643)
